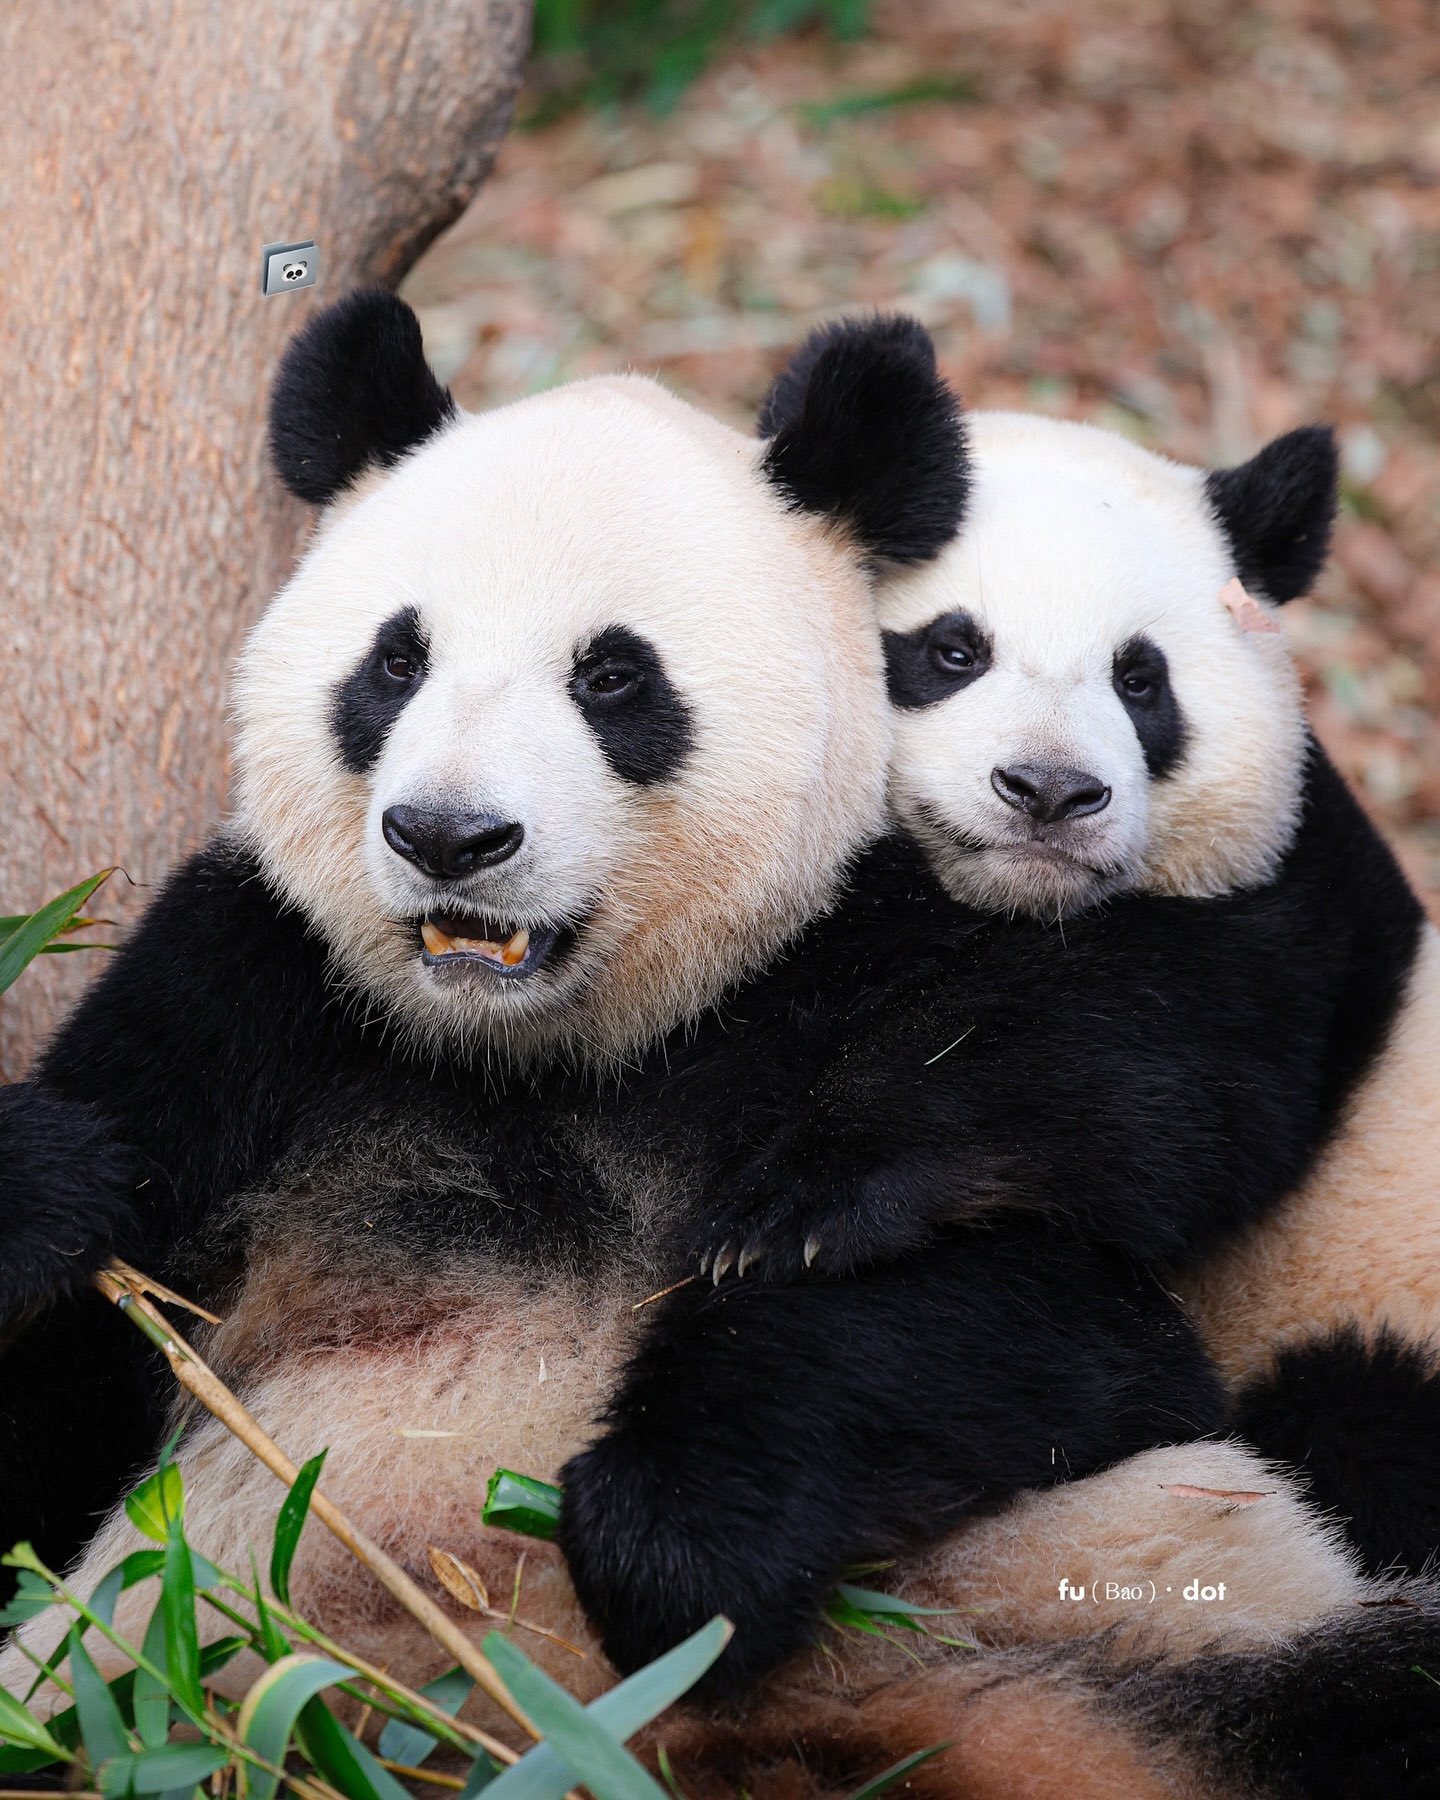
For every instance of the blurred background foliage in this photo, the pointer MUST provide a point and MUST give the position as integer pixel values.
(1191, 221)
(595, 52)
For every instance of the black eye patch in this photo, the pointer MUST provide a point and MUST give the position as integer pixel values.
(371, 698)
(934, 661)
(639, 718)
(1142, 680)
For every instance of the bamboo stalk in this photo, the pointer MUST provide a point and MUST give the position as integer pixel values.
(125, 1288)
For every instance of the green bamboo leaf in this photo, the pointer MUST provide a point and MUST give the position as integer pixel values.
(113, 1777)
(868, 1600)
(175, 1766)
(26, 942)
(521, 1503)
(410, 1744)
(483, 1774)
(273, 1645)
(32, 1595)
(11, 922)
(896, 1772)
(290, 1523)
(268, 1713)
(64, 1727)
(150, 1698)
(19, 1729)
(542, 1774)
(571, 1732)
(102, 1730)
(182, 1639)
(341, 1758)
(158, 1499)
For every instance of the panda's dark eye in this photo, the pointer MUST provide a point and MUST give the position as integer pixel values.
(609, 680)
(936, 660)
(1140, 675)
(400, 667)
(952, 659)
(1141, 678)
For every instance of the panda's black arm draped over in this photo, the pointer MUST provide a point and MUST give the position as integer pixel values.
(764, 1436)
(1154, 1074)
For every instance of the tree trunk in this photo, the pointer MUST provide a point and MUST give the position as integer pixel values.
(148, 149)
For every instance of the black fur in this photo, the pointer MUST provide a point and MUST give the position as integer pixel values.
(764, 1437)
(1156, 1072)
(1153, 1075)
(1277, 511)
(864, 430)
(66, 1196)
(934, 661)
(1363, 1421)
(371, 698)
(639, 718)
(1154, 711)
(353, 391)
(1348, 1711)
(67, 1203)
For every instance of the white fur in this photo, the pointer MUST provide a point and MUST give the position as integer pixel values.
(518, 535)
(1075, 541)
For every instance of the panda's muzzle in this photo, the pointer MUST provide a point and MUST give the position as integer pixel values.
(451, 940)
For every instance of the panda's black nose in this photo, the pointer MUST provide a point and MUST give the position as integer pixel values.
(450, 845)
(1048, 793)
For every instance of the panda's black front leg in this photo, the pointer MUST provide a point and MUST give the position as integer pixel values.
(67, 1198)
(766, 1435)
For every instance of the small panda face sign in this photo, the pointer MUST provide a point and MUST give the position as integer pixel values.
(1078, 712)
(564, 722)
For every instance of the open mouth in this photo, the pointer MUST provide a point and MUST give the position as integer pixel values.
(470, 940)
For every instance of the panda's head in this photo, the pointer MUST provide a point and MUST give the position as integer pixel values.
(1079, 712)
(574, 711)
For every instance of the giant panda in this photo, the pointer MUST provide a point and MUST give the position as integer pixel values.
(1044, 779)
(570, 718)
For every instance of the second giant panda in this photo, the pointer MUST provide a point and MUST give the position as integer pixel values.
(1091, 719)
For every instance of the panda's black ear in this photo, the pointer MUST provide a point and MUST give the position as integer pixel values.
(354, 390)
(864, 430)
(1277, 511)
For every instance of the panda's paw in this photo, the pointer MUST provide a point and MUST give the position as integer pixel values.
(66, 1197)
(654, 1559)
(811, 1230)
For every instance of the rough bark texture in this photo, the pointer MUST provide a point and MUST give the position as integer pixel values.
(148, 148)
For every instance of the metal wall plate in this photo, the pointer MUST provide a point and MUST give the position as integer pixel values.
(286, 266)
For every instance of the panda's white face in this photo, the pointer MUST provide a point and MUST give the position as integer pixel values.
(564, 723)
(1077, 712)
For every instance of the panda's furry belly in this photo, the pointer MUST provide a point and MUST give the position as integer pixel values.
(1359, 1244)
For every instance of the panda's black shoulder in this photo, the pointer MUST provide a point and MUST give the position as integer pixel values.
(214, 960)
(1342, 894)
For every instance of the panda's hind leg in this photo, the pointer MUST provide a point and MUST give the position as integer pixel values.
(1361, 1417)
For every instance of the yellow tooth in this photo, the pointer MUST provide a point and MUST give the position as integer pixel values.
(514, 951)
(435, 940)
